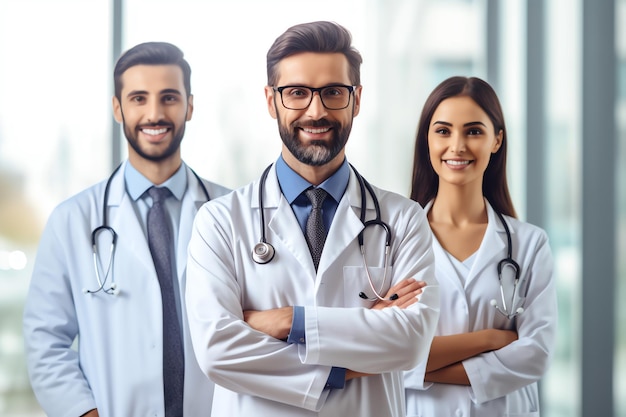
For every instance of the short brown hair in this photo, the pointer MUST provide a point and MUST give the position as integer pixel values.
(321, 37)
(151, 53)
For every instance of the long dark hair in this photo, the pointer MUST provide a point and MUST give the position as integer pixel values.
(425, 181)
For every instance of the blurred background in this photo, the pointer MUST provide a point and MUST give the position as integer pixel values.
(559, 67)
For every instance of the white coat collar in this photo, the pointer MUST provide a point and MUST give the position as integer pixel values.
(119, 201)
(280, 219)
(492, 248)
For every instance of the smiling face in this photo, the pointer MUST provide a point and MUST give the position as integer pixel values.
(314, 136)
(153, 108)
(461, 140)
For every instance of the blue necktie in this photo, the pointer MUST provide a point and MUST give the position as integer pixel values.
(160, 242)
(315, 230)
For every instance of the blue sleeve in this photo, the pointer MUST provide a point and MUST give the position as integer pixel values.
(337, 376)
(297, 334)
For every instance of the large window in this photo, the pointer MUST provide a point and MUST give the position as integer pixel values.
(54, 141)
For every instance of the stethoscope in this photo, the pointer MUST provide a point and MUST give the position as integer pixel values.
(508, 262)
(263, 252)
(97, 264)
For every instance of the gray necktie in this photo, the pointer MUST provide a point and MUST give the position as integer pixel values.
(160, 242)
(315, 230)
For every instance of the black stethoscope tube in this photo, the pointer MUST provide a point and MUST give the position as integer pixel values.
(263, 252)
(113, 290)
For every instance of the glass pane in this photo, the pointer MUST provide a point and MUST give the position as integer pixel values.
(620, 336)
(54, 141)
(563, 141)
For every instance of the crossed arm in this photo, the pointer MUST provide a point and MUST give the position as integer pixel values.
(277, 322)
(447, 353)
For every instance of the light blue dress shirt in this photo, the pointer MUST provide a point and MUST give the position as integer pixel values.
(137, 186)
(293, 187)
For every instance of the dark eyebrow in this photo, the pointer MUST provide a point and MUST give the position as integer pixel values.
(474, 123)
(162, 92)
(136, 93)
(465, 125)
(171, 91)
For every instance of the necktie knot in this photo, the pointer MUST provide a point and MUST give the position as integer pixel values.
(317, 197)
(158, 194)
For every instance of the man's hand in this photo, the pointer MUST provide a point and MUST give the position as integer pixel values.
(407, 292)
(275, 322)
(91, 413)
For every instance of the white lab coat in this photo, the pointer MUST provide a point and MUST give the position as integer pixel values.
(503, 382)
(118, 363)
(257, 375)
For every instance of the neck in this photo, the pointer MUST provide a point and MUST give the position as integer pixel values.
(156, 171)
(458, 205)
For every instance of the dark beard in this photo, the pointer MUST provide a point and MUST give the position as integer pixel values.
(317, 153)
(168, 152)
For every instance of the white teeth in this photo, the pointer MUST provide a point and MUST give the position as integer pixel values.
(311, 130)
(154, 132)
(451, 162)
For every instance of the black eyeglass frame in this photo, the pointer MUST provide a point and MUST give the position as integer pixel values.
(351, 89)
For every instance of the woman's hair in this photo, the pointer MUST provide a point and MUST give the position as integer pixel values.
(319, 37)
(151, 53)
(425, 180)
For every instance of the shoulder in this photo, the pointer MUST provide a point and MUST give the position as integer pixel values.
(77, 213)
(532, 235)
(392, 201)
(525, 228)
(403, 215)
(215, 190)
(228, 201)
(85, 200)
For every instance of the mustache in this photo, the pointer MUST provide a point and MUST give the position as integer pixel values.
(315, 123)
(160, 123)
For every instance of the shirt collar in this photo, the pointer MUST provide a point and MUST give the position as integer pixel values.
(137, 183)
(292, 184)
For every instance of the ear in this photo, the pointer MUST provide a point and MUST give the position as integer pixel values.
(271, 103)
(357, 100)
(189, 107)
(498, 143)
(117, 110)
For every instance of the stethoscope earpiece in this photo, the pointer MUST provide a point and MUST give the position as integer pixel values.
(263, 253)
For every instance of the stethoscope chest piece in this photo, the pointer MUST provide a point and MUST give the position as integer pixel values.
(263, 253)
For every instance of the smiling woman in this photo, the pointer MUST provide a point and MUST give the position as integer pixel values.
(459, 175)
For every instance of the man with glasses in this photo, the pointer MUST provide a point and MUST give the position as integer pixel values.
(289, 314)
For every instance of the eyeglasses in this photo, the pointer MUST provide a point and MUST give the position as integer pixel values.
(299, 97)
